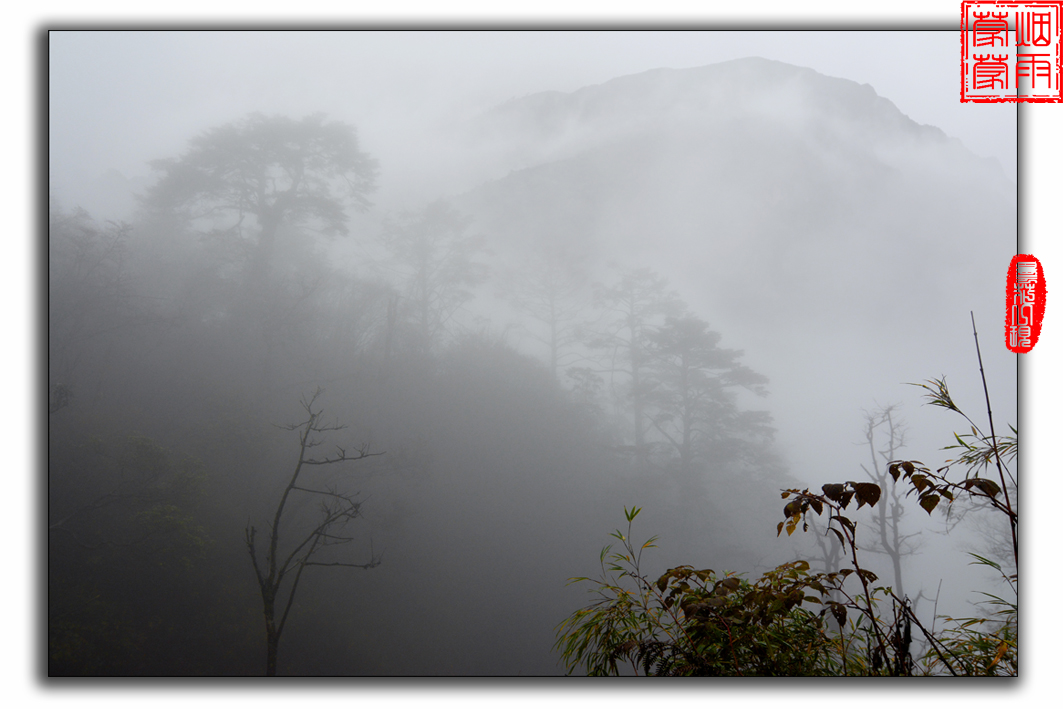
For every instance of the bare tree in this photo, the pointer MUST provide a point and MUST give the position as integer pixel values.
(889, 537)
(337, 510)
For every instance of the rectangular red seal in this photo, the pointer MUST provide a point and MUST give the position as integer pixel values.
(1026, 303)
(1010, 51)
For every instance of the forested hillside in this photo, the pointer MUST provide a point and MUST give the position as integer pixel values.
(381, 438)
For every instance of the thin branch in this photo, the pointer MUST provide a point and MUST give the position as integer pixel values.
(336, 510)
(331, 493)
(368, 565)
(341, 459)
(996, 446)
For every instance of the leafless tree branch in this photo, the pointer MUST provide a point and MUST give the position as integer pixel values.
(336, 511)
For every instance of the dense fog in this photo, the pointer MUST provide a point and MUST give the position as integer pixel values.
(477, 320)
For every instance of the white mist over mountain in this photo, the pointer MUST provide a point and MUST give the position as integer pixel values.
(816, 226)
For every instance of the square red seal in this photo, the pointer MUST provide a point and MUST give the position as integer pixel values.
(1010, 51)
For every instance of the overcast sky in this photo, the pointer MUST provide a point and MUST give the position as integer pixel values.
(119, 99)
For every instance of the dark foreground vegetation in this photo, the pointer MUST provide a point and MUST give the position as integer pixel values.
(793, 621)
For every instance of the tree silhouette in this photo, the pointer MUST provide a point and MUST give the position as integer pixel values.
(692, 399)
(548, 286)
(436, 257)
(338, 508)
(265, 172)
(632, 308)
(890, 537)
(92, 300)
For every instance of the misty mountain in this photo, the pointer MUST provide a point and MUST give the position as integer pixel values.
(544, 127)
(788, 206)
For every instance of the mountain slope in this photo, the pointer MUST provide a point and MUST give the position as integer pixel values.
(836, 240)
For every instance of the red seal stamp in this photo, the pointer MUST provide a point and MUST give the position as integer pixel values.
(1010, 51)
(1026, 303)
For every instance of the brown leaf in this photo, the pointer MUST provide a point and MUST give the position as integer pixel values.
(847, 523)
(987, 487)
(727, 585)
(868, 576)
(833, 491)
(867, 493)
(662, 583)
(929, 502)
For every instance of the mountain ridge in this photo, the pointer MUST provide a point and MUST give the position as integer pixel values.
(627, 102)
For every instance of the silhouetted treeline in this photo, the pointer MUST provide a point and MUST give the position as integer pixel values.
(181, 343)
